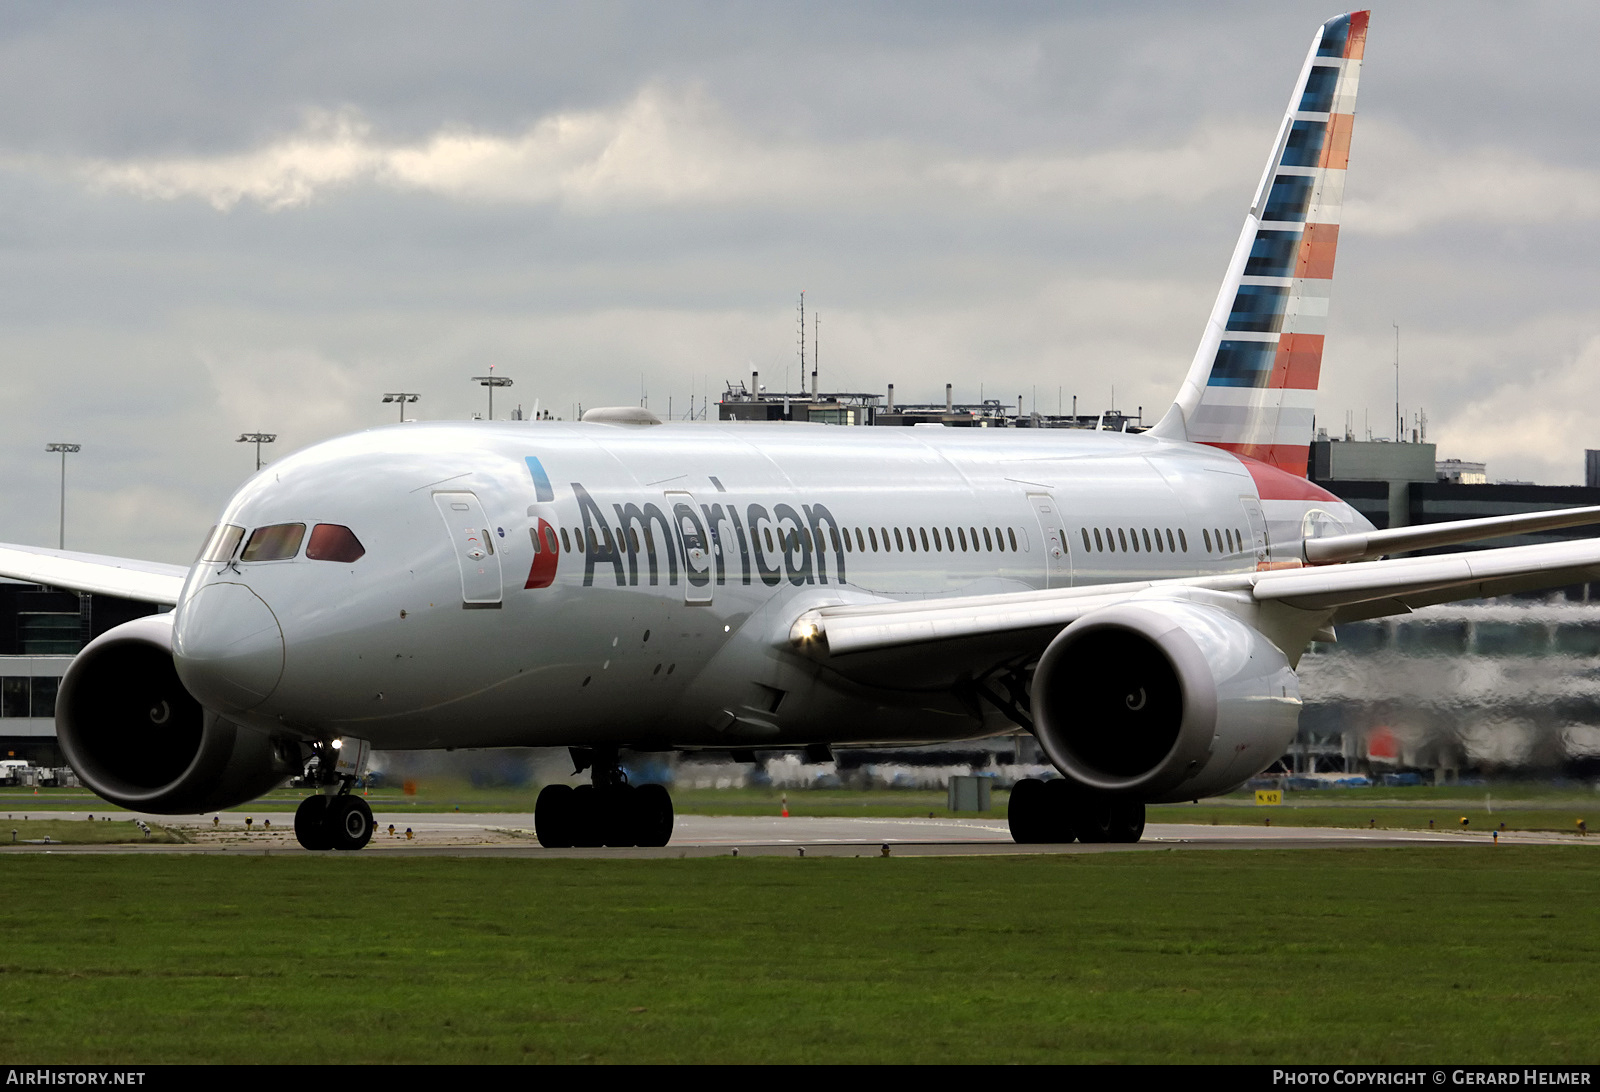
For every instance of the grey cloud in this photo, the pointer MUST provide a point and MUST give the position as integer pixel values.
(996, 244)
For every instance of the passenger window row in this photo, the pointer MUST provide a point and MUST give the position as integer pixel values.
(932, 540)
(1157, 540)
(1135, 539)
(1216, 543)
(853, 540)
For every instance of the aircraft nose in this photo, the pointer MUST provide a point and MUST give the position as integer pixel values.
(228, 647)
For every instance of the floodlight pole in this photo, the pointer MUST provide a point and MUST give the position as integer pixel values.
(257, 438)
(491, 381)
(65, 450)
(402, 397)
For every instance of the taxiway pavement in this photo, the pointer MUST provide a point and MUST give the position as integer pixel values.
(511, 835)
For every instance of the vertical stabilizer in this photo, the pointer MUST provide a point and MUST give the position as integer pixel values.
(1252, 387)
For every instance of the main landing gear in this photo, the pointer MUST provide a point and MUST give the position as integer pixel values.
(607, 812)
(333, 818)
(1065, 811)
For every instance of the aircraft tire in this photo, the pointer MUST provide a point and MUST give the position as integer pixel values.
(1127, 821)
(584, 818)
(653, 815)
(309, 830)
(1090, 816)
(1025, 814)
(618, 816)
(1062, 801)
(348, 822)
(552, 816)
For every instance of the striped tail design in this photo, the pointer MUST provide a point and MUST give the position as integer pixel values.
(1252, 387)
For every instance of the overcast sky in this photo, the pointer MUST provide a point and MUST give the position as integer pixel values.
(216, 218)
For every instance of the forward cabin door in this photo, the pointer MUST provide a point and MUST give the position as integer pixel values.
(473, 542)
(1053, 533)
(694, 541)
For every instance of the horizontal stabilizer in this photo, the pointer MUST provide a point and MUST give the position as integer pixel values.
(145, 581)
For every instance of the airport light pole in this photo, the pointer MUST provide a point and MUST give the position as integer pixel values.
(257, 438)
(491, 381)
(65, 450)
(402, 397)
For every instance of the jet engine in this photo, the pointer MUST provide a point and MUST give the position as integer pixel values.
(138, 738)
(1164, 700)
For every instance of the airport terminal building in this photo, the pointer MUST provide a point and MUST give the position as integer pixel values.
(41, 629)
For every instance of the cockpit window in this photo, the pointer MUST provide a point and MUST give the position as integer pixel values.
(274, 543)
(331, 542)
(221, 542)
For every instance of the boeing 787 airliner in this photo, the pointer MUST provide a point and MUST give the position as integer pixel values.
(1137, 602)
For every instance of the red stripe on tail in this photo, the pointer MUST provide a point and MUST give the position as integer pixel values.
(1318, 246)
(1287, 459)
(1356, 44)
(1280, 483)
(1336, 146)
(1298, 363)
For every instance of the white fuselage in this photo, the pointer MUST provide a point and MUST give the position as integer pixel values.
(684, 553)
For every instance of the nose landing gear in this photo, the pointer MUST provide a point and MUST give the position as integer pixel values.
(607, 812)
(333, 818)
(333, 822)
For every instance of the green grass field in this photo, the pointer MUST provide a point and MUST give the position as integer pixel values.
(1480, 954)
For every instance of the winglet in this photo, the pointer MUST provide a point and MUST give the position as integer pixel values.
(1252, 385)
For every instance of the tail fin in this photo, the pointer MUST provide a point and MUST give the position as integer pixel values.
(1252, 387)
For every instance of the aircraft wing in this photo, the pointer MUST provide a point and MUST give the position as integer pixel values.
(1022, 621)
(1375, 588)
(146, 581)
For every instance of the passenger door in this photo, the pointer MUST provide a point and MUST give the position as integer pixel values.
(694, 539)
(473, 542)
(1052, 531)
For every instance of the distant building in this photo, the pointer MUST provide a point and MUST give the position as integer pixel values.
(1461, 472)
(755, 403)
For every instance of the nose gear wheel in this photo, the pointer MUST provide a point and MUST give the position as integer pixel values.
(333, 822)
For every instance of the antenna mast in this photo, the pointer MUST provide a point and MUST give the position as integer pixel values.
(802, 339)
(1399, 423)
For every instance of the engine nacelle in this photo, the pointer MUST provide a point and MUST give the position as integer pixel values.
(138, 738)
(1164, 700)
